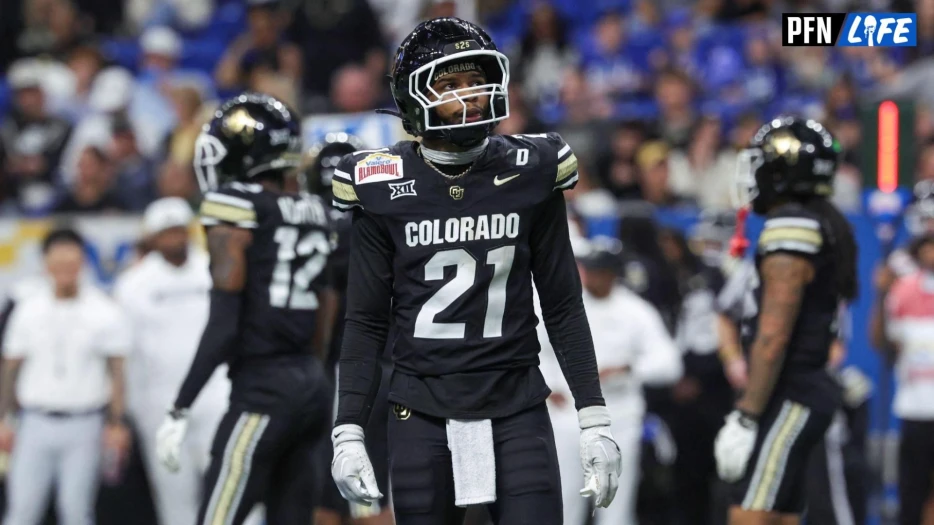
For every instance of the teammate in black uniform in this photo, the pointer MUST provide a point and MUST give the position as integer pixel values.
(332, 508)
(806, 262)
(447, 235)
(268, 251)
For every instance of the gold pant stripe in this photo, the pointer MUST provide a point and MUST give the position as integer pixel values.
(238, 456)
(773, 457)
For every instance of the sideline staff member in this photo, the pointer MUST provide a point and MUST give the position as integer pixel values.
(63, 355)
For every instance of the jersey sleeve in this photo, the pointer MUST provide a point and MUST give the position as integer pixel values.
(230, 206)
(566, 175)
(791, 229)
(342, 185)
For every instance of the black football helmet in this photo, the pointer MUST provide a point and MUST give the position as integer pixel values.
(321, 160)
(437, 47)
(249, 135)
(788, 158)
(710, 237)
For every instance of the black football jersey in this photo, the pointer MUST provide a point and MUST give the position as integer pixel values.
(286, 263)
(793, 229)
(463, 253)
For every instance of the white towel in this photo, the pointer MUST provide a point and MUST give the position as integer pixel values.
(473, 459)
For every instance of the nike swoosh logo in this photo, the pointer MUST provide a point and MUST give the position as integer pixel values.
(499, 182)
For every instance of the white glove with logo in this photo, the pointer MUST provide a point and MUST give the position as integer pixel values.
(600, 456)
(169, 439)
(734, 445)
(351, 468)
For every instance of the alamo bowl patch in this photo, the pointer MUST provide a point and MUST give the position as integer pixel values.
(378, 167)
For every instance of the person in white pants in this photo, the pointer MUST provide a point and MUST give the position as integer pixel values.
(633, 348)
(165, 296)
(63, 365)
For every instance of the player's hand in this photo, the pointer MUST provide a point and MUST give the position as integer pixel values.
(169, 439)
(600, 456)
(351, 468)
(117, 437)
(883, 278)
(734, 445)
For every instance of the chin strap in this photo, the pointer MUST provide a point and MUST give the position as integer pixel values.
(389, 112)
(739, 243)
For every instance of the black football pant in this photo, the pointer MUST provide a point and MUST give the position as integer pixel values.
(837, 480)
(915, 469)
(264, 449)
(528, 485)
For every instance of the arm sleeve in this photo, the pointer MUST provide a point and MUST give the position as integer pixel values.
(218, 336)
(366, 328)
(555, 272)
(228, 207)
(659, 360)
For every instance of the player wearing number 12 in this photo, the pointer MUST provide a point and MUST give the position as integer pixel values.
(447, 237)
(269, 251)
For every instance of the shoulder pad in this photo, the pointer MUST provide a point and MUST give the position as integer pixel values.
(555, 155)
(791, 228)
(363, 167)
(233, 204)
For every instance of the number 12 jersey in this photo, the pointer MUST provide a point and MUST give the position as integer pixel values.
(449, 263)
(286, 264)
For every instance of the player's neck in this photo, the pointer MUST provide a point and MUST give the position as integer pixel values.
(176, 259)
(444, 153)
(272, 186)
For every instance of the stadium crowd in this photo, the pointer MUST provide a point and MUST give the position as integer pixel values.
(102, 101)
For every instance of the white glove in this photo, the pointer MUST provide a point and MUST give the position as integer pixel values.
(169, 439)
(600, 456)
(734, 445)
(351, 468)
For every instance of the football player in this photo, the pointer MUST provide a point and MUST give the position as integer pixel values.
(806, 264)
(322, 159)
(268, 249)
(447, 235)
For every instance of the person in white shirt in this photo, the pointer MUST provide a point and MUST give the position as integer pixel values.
(165, 296)
(63, 348)
(633, 348)
(908, 325)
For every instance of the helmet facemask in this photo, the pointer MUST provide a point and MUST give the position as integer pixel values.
(209, 154)
(495, 68)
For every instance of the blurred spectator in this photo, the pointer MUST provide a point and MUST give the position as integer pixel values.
(702, 397)
(135, 174)
(611, 69)
(674, 92)
(809, 68)
(925, 161)
(645, 355)
(924, 124)
(259, 51)
(166, 298)
(111, 93)
(681, 51)
(85, 62)
(31, 142)
(53, 28)
(848, 185)
(617, 169)
(180, 143)
(652, 162)
(11, 25)
(907, 322)
(183, 14)
(702, 171)
(63, 365)
(354, 89)
(317, 26)
(764, 76)
(93, 188)
(581, 108)
(178, 180)
(150, 108)
(840, 102)
(544, 55)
